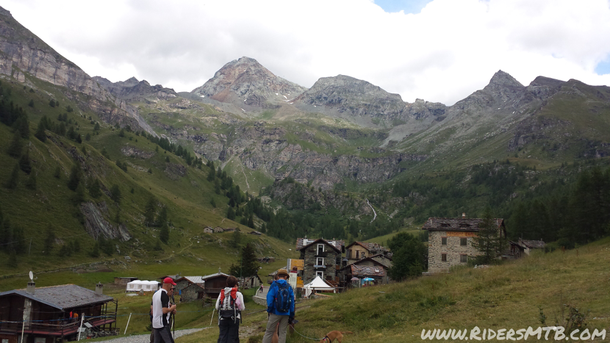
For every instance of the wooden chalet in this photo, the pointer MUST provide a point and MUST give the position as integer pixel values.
(214, 283)
(54, 314)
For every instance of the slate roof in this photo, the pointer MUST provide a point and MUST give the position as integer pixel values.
(364, 271)
(211, 276)
(62, 297)
(456, 224)
(374, 248)
(305, 242)
(532, 244)
(192, 279)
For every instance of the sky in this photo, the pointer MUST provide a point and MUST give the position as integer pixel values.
(439, 50)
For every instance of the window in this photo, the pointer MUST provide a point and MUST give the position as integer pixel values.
(320, 274)
(463, 258)
(357, 254)
(463, 241)
(443, 257)
(444, 240)
(320, 248)
(320, 261)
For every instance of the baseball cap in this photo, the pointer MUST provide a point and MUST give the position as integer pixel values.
(169, 280)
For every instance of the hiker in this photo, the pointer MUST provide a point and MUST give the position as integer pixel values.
(229, 304)
(162, 311)
(280, 307)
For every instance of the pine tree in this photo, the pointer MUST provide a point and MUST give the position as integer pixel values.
(247, 264)
(94, 189)
(489, 240)
(40, 131)
(74, 178)
(408, 258)
(230, 213)
(24, 162)
(115, 192)
(16, 145)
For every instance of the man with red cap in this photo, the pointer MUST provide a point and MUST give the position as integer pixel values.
(162, 310)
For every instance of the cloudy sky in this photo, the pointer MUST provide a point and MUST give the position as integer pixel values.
(439, 50)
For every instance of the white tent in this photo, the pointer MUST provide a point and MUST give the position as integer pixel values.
(142, 285)
(317, 285)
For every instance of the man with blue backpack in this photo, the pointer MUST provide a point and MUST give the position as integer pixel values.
(280, 307)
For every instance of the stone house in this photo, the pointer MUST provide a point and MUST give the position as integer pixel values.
(320, 258)
(364, 268)
(525, 247)
(360, 250)
(190, 288)
(208, 230)
(218, 229)
(450, 241)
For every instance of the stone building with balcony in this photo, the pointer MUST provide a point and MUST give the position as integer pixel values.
(320, 258)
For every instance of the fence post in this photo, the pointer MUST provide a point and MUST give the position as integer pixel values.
(82, 319)
(126, 326)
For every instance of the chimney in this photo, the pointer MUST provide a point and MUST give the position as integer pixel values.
(99, 288)
(463, 215)
(31, 287)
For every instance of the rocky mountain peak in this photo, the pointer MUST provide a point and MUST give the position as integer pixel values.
(132, 89)
(502, 80)
(247, 84)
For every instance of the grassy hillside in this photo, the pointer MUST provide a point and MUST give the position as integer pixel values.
(117, 159)
(508, 296)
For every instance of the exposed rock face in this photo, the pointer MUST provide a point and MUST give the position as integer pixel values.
(96, 224)
(24, 53)
(248, 85)
(365, 104)
(265, 148)
(134, 90)
(131, 151)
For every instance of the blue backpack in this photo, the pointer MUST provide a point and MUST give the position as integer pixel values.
(283, 300)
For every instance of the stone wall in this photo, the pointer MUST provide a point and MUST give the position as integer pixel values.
(453, 249)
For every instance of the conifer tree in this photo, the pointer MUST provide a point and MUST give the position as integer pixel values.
(489, 241)
(115, 192)
(150, 212)
(74, 178)
(247, 265)
(24, 162)
(94, 189)
(16, 145)
(40, 131)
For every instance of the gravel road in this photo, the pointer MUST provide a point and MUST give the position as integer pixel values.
(146, 338)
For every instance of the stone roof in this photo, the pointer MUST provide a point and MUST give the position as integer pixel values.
(62, 297)
(364, 271)
(456, 224)
(532, 244)
(305, 242)
(374, 248)
(192, 279)
(211, 276)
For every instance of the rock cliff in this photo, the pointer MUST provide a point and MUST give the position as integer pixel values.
(25, 55)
